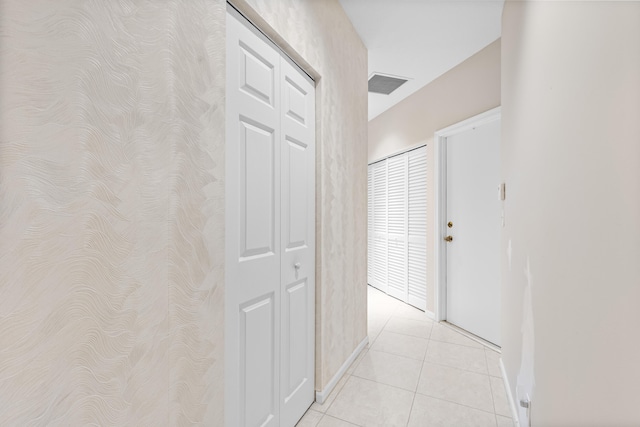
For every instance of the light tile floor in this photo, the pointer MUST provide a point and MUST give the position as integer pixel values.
(415, 373)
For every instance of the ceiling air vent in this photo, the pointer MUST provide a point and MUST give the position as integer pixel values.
(380, 83)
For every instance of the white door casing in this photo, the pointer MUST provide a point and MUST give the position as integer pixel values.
(270, 229)
(471, 203)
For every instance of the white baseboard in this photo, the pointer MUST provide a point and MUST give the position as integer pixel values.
(430, 314)
(321, 396)
(512, 403)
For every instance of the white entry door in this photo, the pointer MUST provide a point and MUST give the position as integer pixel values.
(270, 233)
(473, 221)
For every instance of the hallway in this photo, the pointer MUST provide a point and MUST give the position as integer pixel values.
(415, 372)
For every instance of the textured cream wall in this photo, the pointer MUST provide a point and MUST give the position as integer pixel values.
(111, 205)
(111, 185)
(470, 88)
(571, 162)
(320, 35)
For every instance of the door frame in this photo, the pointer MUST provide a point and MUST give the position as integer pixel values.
(440, 186)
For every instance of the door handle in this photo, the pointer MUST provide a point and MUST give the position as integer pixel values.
(448, 239)
(297, 266)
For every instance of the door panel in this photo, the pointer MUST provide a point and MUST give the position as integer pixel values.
(256, 74)
(294, 339)
(370, 262)
(296, 195)
(380, 225)
(257, 336)
(473, 207)
(417, 228)
(397, 226)
(256, 190)
(298, 254)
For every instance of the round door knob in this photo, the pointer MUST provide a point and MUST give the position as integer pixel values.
(450, 224)
(448, 239)
(297, 265)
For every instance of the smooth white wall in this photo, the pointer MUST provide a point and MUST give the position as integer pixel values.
(571, 245)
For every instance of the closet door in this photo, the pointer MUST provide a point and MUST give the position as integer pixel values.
(370, 258)
(380, 225)
(270, 233)
(298, 243)
(397, 226)
(253, 259)
(417, 228)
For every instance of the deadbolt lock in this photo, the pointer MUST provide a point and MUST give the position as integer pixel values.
(448, 239)
(450, 224)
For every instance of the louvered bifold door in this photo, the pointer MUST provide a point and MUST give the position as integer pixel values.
(370, 261)
(380, 225)
(397, 227)
(417, 228)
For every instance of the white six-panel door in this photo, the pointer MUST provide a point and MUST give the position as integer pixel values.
(270, 233)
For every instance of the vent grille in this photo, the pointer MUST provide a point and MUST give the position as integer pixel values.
(379, 83)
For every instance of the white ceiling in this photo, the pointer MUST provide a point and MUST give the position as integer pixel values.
(420, 39)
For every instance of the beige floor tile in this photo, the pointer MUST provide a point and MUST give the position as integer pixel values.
(500, 401)
(455, 385)
(415, 328)
(493, 363)
(504, 421)
(371, 404)
(457, 356)
(409, 312)
(329, 421)
(402, 345)
(323, 408)
(390, 369)
(310, 419)
(444, 333)
(430, 412)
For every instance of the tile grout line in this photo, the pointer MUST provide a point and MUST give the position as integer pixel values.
(415, 393)
(457, 403)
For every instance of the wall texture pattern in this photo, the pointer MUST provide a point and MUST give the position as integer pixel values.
(111, 204)
(111, 135)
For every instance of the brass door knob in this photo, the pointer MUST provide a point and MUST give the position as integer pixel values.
(448, 239)
(450, 224)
